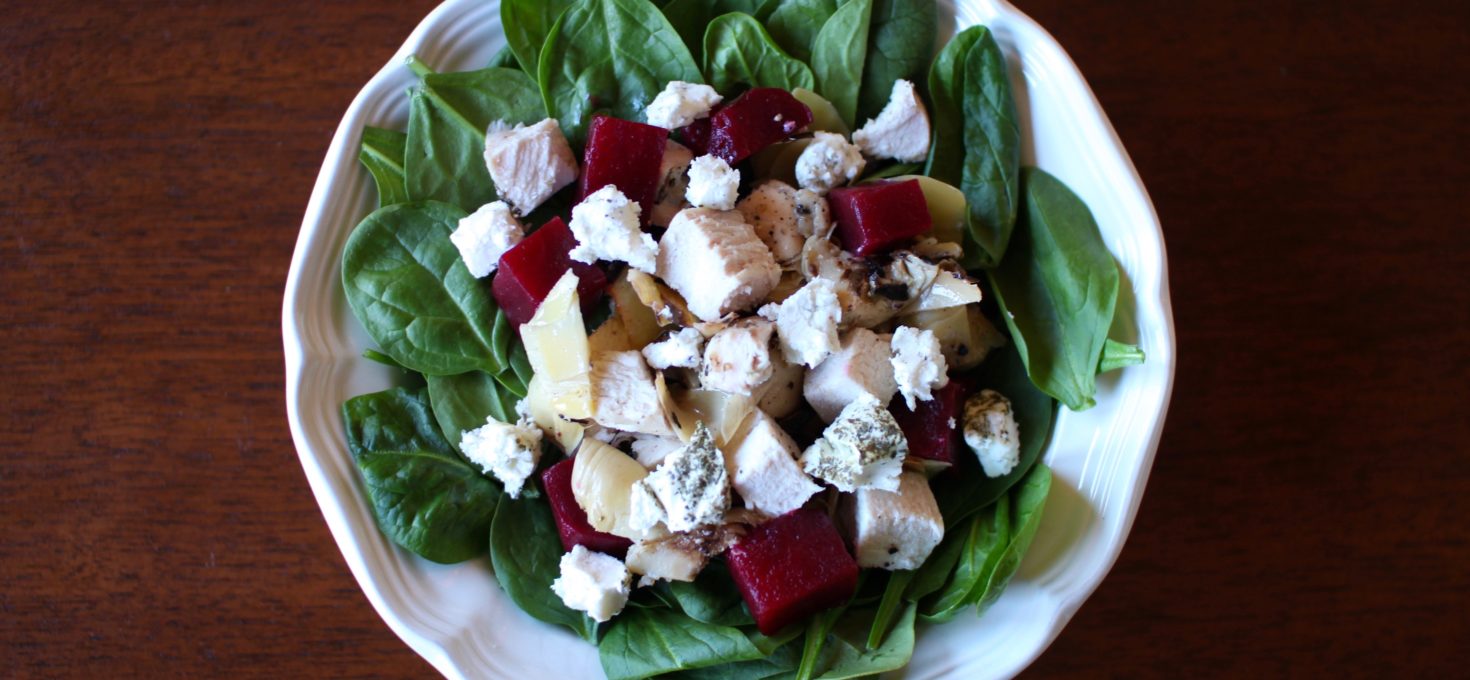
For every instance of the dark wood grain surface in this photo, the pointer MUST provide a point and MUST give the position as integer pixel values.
(1309, 512)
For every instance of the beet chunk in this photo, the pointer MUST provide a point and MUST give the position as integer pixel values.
(757, 119)
(933, 427)
(571, 521)
(696, 136)
(792, 567)
(626, 155)
(528, 271)
(872, 218)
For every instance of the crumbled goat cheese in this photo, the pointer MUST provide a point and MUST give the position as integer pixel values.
(806, 322)
(508, 451)
(894, 529)
(715, 261)
(766, 474)
(682, 350)
(691, 484)
(828, 162)
(918, 364)
(738, 358)
(680, 104)
(484, 235)
(992, 433)
(606, 227)
(862, 448)
(901, 130)
(673, 172)
(712, 183)
(860, 368)
(528, 164)
(624, 396)
(592, 582)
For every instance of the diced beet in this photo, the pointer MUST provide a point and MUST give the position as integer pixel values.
(626, 155)
(529, 269)
(755, 120)
(571, 521)
(696, 135)
(792, 567)
(872, 218)
(932, 427)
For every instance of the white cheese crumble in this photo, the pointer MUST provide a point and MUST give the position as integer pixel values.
(738, 358)
(992, 433)
(806, 322)
(918, 364)
(712, 183)
(680, 104)
(507, 451)
(829, 161)
(484, 235)
(863, 448)
(691, 484)
(682, 350)
(592, 582)
(606, 227)
(901, 130)
(528, 164)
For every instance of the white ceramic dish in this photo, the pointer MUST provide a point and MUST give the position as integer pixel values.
(457, 618)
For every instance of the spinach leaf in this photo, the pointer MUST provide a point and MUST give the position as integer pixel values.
(898, 583)
(846, 656)
(426, 499)
(526, 551)
(409, 288)
(448, 114)
(642, 643)
(609, 54)
(1027, 503)
(712, 597)
(526, 24)
(838, 54)
(1057, 289)
(889, 171)
(934, 573)
(794, 24)
(518, 378)
(382, 155)
(1116, 355)
(503, 58)
(985, 538)
(690, 17)
(977, 141)
(379, 357)
(737, 50)
(778, 663)
(900, 42)
(463, 402)
(966, 489)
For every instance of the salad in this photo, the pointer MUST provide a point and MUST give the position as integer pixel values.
(731, 331)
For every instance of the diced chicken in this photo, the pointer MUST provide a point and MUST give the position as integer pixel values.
(529, 164)
(680, 104)
(772, 210)
(738, 358)
(714, 260)
(829, 161)
(918, 364)
(682, 350)
(863, 448)
(992, 433)
(901, 130)
(780, 396)
(712, 183)
(764, 468)
(807, 322)
(606, 227)
(894, 529)
(680, 557)
(624, 396)
(485, 235)
(860, 368)
(651, 450)
(673, 172)
(592, 582)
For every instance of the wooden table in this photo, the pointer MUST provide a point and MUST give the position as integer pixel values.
(1307, 513)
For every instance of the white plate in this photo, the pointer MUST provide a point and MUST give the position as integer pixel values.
(459, 620)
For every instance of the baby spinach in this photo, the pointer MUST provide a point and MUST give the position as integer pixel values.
(409, 288)
(518, 377)
(526, 551)
(794, 24)
(642, 643)
(690, 17)
(977, 141)
(426, 499)
(846, 656)
(609, 54)
(738, 50)
(463, 402)
(935, 571)
(712, 597)
(838, 55)
(1027, 502)
(382, 155)
(900, 43)
(1116, 355)
(526, 24)
(448, 114)
(984, 538)
(1058, 289)
(898, 584)
(503, 58)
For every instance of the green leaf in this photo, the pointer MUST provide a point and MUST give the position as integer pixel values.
(898, 583)
(642, 643)
(1116, 355)
(712, 597)
(526, 24)
(985, 538)
(847, 658)
(409, 288)
(463, 402)
(526, 551)
(1027, 503)
(891, 170)
(900, 43)
(382, 155)
(613, 55)
(934, 573)
(977, 141)
(448, 115)
(425, 498)
(737, 50)
(503, 58)
(518, 378)
(1057, 289)
(967, 489)
(690, 17)
(794, 24)
(838, 55)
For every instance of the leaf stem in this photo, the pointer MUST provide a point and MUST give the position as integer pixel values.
(417, 65)
(1116, 355)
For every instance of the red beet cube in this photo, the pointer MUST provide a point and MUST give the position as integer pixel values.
(932, 427)
(696, 136)
(571, 521)
(757, 119)
(626, 155)
(792, 567)
(528, 271)
(872, 218)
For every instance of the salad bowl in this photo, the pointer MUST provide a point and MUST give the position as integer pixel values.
(458, 619)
